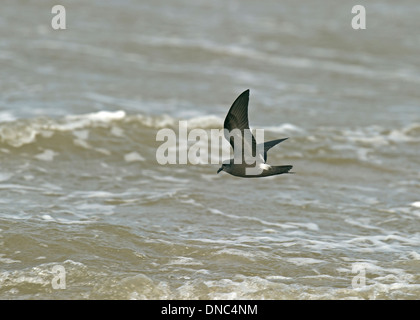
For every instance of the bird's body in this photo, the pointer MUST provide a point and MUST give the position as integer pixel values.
(266, 169)
(237, 129)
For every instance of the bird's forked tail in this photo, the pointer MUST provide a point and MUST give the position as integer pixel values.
(280, 169)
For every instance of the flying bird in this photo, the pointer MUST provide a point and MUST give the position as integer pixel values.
(237, 132)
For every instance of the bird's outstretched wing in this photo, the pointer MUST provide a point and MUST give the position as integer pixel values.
(269, 144)
(237, 117)
(237, 126)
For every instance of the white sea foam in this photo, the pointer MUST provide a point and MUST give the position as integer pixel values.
(254, 219)
(208, 121)
(309, 225)
(133, 157)
(93, 194)
(185, 261)
(4, 176)
(286, 128)
(75, 122)
(3, 259)
(47, 217)
(6, 116)
(304, 261)
(236, 252)
(47, 155)
(378, 136)
(18, 133)
(90, 209)
(167, 121)
(416, 204)
(17, 136)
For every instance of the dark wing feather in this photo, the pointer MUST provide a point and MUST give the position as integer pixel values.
(237, 118)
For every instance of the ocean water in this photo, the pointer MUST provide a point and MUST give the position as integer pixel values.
(87, 212)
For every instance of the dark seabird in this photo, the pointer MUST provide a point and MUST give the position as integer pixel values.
(237, 129)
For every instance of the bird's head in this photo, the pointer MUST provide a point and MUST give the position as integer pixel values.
(225, 167)
(222, 168)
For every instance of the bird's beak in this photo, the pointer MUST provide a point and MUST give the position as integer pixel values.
(220, 169)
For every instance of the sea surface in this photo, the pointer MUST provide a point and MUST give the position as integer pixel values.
(87, 212)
